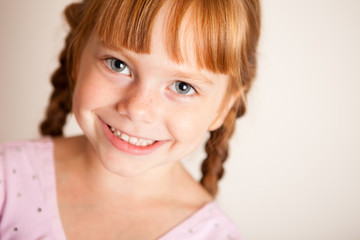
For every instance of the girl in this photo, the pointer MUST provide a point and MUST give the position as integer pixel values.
(146, 81)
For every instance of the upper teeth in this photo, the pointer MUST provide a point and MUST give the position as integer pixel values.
(132, 140)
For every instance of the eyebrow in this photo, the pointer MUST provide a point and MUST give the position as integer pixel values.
(192, 75)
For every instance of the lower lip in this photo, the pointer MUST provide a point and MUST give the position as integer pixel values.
(127, 147)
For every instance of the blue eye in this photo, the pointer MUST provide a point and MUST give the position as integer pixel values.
(117, 65)
(182, 88)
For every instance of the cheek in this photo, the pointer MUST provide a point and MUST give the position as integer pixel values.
(79, 105)
(86, 98)
(191, 125)
(81, 100)
(90, 92)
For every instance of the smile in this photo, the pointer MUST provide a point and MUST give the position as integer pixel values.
(129, 139)
(130, 144)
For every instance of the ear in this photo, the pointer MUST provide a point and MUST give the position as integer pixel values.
(224, 110)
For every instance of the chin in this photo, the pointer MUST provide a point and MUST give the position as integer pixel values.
(126, 167)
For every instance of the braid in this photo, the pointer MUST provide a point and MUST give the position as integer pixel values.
(61, 98)
(217, 149)
(217, 146)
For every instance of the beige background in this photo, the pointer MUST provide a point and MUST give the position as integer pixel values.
(294, 170)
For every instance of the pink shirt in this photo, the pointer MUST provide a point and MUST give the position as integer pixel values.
(28, 201)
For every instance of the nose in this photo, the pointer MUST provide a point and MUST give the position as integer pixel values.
(139, 104)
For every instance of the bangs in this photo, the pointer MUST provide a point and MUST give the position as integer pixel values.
(212, 27)
(126, 23)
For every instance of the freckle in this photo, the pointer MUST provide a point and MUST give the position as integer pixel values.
(216, 225)
(14, 171)
(18, 149)
(18, 195)
(34, 177)
(190, 230)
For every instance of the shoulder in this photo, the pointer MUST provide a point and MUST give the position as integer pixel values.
(209, 222)
(17, 145)
(23, 159)
(19, 155)
(26, 178)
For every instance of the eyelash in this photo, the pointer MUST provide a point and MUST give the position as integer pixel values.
(192, 89)
(109, 64)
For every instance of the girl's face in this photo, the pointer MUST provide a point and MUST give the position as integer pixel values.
(140, 111)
